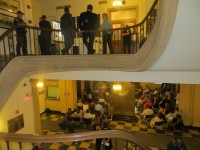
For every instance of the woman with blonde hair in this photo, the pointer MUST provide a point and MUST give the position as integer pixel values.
(106, 27)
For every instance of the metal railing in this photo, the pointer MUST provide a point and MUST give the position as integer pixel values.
(130, 141)
(139, 34)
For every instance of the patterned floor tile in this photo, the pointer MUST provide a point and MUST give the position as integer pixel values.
(151, 130)
(51, 132)
(154, 148)
(188, 135)
(84, 145)
(120, 127)
(128, 124)
(114, 123)
(135, 129)
(71, 148)
(54, 146)
(194, 132)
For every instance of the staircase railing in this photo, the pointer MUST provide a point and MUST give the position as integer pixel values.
(130, 141)
(139, 34)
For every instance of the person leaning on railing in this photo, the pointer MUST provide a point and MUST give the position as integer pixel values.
(20, 34)
(88, 21)
(45, 36)
(67, 28)
(107, 35)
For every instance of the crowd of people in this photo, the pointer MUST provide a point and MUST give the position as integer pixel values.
(159, 108)
(88, 25)
(91, 113)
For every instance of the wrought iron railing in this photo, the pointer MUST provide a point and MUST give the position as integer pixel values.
(130, 141)
(139, 34)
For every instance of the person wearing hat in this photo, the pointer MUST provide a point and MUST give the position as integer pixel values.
(45, 36)
(20, 34)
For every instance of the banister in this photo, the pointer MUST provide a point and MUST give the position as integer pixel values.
(59, 138)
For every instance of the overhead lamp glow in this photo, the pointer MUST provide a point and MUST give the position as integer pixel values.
(40, 84)
(117, 3)
(117, 87)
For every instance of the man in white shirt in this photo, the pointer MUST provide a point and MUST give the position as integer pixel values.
(87, 114)
(99, 107)
(147, 111)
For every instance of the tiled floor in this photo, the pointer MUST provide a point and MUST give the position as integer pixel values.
(119, 125)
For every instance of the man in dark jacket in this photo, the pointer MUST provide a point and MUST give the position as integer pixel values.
(20, 34)
(67, 28)
(45, 36)
(176, 144)
(88, 21)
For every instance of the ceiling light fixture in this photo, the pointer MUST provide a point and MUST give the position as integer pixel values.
(117, 3)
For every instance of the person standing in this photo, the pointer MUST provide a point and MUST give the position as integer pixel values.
(176, 144)
(126, 34)
(107, 34)
(88, 21)
(67, 28)
(45, 36)
(20, 34)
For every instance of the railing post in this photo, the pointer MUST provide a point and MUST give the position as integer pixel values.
(8, 146)
(20, 145)
(76, 143)
(61, 146)
(126, 144)
(90, 141)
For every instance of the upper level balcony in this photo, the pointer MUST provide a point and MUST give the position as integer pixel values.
(165, 37)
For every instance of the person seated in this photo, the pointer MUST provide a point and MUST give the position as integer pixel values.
(97, 121)
(147, 90)
(147, 103)
(68, 113)
(79, 105)
(87, 114)
(99, 108)
(178, 125)
(157, 120)
(141, 100)
(75, 117)
(170, 116)
(92, 107)
(147, 114)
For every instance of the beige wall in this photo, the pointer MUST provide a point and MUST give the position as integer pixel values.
(189, 104)
(48, 7)
(68, 96)
(17, 102)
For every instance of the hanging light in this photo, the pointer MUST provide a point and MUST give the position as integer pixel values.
(117, 87)
(117, 3)
(40, 84)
